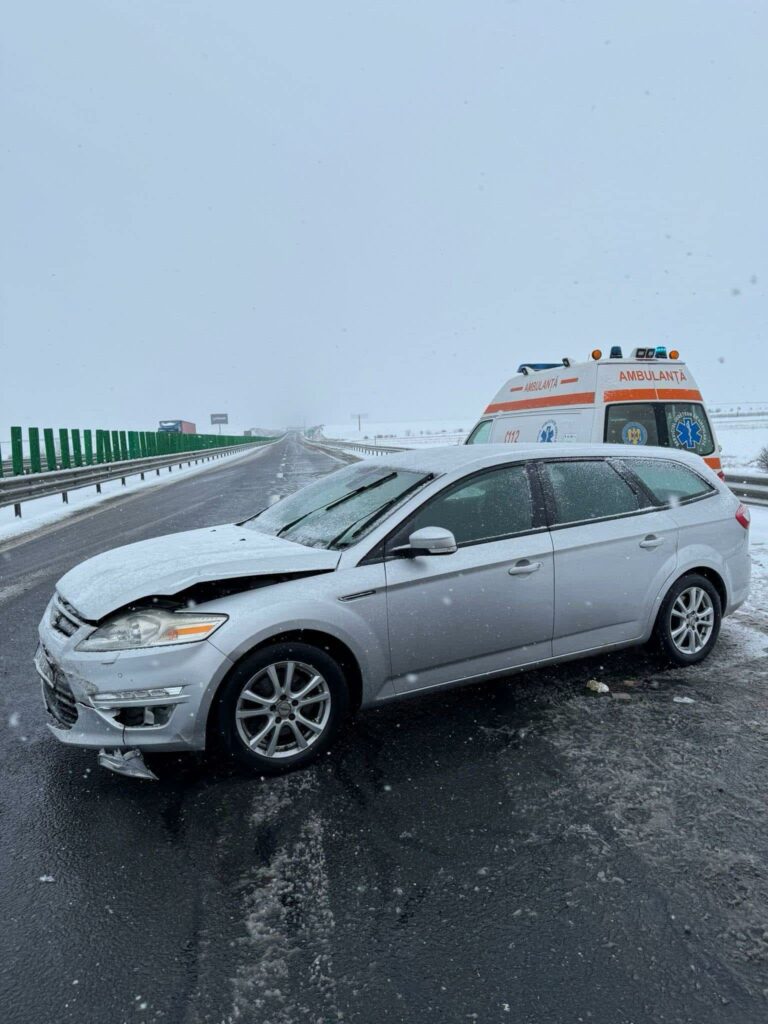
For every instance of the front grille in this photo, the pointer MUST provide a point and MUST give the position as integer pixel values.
(62, 624)
(60, 702)
(57, 694)
(64, 618)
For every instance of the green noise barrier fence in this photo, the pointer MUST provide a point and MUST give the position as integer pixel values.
(69, 448)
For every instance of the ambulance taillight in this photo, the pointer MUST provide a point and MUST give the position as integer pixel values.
(743, 517)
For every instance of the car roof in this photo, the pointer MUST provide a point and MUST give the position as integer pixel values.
(455, 458)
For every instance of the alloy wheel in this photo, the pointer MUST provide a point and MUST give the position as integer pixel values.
(692, 620)
(283, 709)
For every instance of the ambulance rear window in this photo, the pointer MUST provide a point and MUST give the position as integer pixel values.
(688, 427)
(631, 424)
(682, 425)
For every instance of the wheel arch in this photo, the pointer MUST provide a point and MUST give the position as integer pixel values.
(334, 647)
(708, 572)
(714, 577)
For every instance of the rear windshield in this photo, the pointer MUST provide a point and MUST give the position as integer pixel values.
(682, 425)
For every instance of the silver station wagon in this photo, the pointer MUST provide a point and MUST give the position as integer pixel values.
(387, 578)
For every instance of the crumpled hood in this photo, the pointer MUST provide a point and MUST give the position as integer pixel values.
(166, 565)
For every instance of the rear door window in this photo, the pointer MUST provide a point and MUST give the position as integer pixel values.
(669, 482)
(588, 489)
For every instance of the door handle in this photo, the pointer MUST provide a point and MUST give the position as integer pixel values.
(524, 568)
(651, 541)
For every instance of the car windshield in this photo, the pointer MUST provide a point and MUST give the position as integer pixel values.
(339, 509)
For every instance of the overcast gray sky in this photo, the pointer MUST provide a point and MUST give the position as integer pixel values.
(297, 210)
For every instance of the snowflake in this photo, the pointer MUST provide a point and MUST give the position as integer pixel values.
(688, 432)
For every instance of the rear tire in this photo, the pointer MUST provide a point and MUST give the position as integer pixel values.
(280, 708)
(688, 622)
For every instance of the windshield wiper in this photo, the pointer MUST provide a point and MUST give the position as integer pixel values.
(364, 519)
(255, 514)
(335, 502)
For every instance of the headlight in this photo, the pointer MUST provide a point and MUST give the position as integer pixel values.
(150, 628)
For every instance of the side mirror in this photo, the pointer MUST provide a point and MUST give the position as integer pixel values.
(430, 540)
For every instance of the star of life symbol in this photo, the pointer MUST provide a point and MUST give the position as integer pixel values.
(548, 431)
(688, 432)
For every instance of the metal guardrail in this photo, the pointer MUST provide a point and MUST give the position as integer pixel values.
(368, 447)
(17, 489)
(750, 486)
(761, 413)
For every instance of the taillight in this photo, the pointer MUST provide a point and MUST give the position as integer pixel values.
(743, 518)
(721, 474)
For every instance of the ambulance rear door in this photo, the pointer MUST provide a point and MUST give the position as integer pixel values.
(658, 404)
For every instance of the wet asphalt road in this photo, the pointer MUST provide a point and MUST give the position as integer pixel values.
(520, 851)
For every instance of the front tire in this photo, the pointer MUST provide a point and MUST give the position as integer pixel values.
(281, 707)
(688, 622)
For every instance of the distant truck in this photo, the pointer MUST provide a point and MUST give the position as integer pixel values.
(176, 427)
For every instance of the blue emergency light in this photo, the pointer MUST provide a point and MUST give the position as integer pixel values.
(661, 352)
(524, 367)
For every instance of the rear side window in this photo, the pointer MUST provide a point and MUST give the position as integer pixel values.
(481, 434)
(496, 503)
(584, 490)
(669, 482)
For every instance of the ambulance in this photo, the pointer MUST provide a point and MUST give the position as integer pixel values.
(649, 398)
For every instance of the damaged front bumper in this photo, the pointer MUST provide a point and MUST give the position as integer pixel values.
(126, 762)
(149, 699)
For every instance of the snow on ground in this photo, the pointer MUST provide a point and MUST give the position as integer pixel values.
(44, 511)
(741, 443)
(758, 543)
